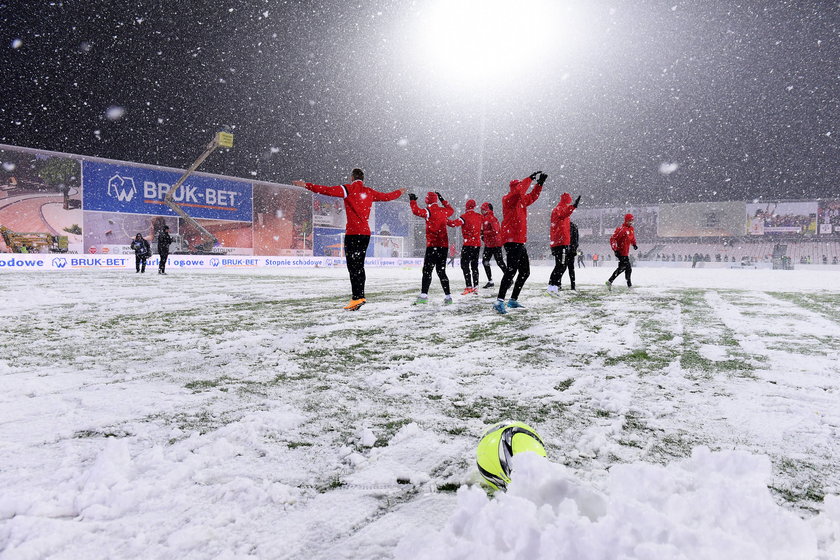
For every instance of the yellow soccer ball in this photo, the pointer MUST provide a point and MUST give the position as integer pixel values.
(499, 444)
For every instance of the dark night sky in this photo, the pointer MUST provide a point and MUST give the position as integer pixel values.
(743, 96)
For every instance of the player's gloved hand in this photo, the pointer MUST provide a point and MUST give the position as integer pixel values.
(533, 176)
(577, 201)
(541, 180)
(617, 254)
(440, 196)
(636, 247)
(412, 196)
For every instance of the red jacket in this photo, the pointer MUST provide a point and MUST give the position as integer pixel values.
(436, 217)
(470, 224)
(623, 238)
(357, 202)
(560, 233)
(491, 231)
(515, 210)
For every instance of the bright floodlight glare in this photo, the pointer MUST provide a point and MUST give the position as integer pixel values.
(482, 40)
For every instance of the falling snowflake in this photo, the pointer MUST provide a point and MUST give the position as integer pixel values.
(8, 166)
(115, 113)
(667, 168)
(402, 142)
(17, 43)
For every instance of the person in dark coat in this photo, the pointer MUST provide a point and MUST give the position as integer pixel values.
(573, 249)
(164, 240)
(142, 251)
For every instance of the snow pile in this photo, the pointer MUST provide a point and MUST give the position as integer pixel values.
(130, 487)
(712, 505)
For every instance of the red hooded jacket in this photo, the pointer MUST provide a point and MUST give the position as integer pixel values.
(515, 210)
(491, 231)
(357, 202)
(624, 237)
(470, 223)
(436, 217)
(560, 232)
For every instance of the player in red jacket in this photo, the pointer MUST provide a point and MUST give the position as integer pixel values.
(491, 234)
(514, 234)
(470, 224)
(621, 240)
(437, 242)
(358, 200)
(560, 236)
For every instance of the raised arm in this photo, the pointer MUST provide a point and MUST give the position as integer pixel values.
(529, 198)
(455, 223)
(339, 191)
(416, 210)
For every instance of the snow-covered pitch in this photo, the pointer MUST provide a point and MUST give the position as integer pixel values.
(242, 414)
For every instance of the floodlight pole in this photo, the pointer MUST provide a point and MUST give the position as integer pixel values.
(220, 140)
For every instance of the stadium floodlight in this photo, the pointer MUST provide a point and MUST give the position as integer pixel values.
(478, 41)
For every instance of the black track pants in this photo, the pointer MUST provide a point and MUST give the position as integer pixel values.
(492, 252)
(435, 259)
(518, 265)
(562, 259)
(625, 267)
(469, 265)
(355, 248)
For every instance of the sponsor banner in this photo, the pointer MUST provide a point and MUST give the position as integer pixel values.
(16, 262)
(782, 229)
(778, 217)
(137, 190)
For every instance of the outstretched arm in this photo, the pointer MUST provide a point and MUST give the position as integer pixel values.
(385, 197)
(339, 191)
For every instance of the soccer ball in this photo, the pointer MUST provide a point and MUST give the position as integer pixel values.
(499, 444)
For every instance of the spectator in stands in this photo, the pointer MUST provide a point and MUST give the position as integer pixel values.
(694, 260)
(825, 259)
